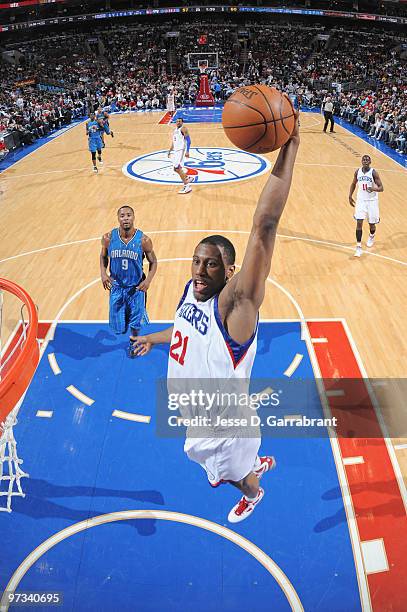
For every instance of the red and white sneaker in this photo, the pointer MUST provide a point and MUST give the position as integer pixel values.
(244, 508)
(267, 464)
(217, 484)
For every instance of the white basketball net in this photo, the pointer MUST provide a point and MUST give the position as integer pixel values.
(10, 470)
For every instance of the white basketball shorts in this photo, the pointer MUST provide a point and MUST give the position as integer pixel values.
(224, 458)
(178, 158)
(367, 210)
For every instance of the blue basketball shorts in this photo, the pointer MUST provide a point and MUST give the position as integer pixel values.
(95, 144)
(127, 308)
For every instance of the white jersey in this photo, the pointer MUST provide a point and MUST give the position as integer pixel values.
(178, 140)
(365, 180)
(204, 356)
(367, 204)
(171, 103)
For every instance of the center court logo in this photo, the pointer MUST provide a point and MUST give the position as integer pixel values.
(204, 165)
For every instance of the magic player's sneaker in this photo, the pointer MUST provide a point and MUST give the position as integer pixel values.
(244, 508)
(95, 169)
(358, 251)
(370, 241)
(266, 464)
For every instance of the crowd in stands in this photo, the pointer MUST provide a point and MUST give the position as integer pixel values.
(382, 114)
(62, 78)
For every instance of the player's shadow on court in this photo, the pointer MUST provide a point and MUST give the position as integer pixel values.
(37, 505)
(395, 241)
(80, 346)
(325, 243)
(391, 507)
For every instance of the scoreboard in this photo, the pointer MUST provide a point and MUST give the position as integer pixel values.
(112, 14)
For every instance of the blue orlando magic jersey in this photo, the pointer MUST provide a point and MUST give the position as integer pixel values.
(126, 260)
(93, 128)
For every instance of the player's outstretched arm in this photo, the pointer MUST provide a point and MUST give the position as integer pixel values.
(352, 188)
(143, 344)
(104, 262)
(148, 250)
(240, 300)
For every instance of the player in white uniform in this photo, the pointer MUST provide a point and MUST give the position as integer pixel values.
(171, 101)
(181, 142)
(214, 337)
(367, 201)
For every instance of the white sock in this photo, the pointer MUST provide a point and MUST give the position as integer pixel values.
(252, 499)
(372, 235)
(359, 244)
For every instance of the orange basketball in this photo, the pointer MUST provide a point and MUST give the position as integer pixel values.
(258, 119)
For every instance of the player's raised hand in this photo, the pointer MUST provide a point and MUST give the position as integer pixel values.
(141, 346)
(106, 281)
(351, 201)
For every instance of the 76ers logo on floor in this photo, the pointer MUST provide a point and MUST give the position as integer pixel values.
(204, 165)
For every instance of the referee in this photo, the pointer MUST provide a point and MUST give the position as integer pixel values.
(328, 107)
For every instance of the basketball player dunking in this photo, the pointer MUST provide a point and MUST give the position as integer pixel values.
(214, 335)
(367, 201)
(181, 142)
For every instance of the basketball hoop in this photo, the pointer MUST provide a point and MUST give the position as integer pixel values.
(17, 366)
(202, 66)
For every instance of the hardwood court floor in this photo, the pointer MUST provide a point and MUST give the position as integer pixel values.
(52, 197)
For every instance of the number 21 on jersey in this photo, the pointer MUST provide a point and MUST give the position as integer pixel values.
(178, 348)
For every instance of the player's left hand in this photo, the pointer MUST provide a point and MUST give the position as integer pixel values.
(187, 154)
(143, 286)
(370, 189)
(141, 346)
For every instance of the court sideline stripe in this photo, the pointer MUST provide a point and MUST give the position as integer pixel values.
(384, 518)
(376, 406)
(364, 592)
